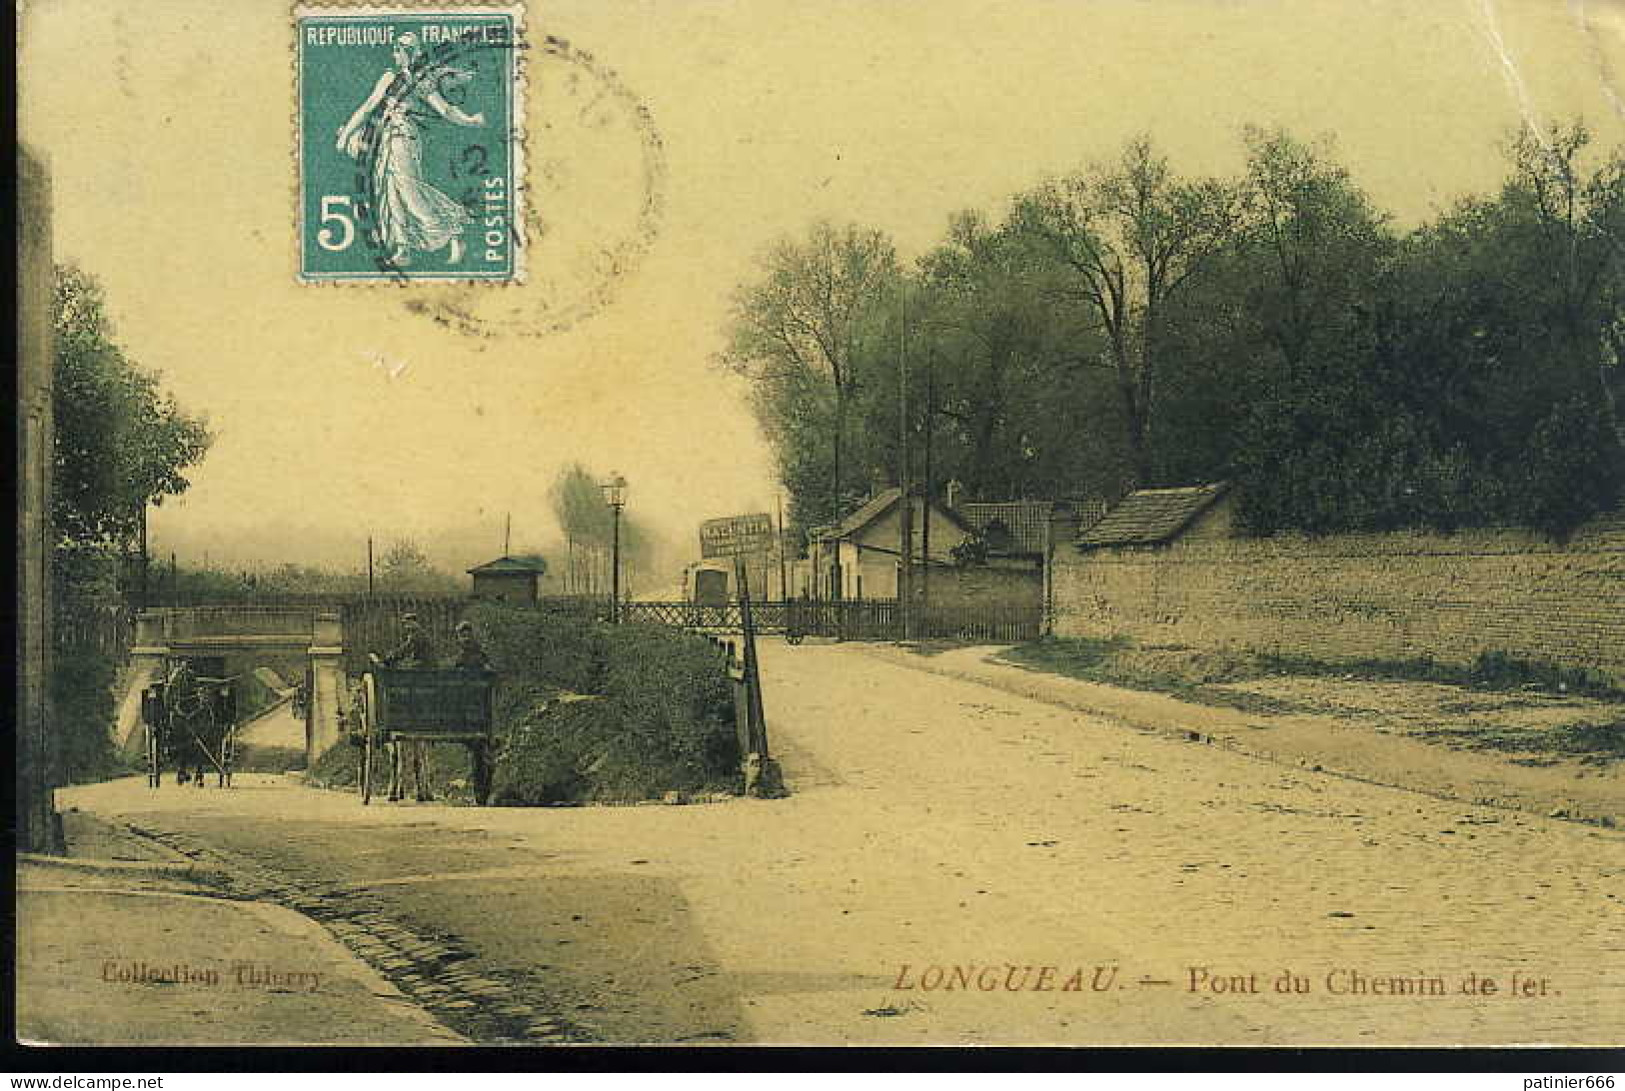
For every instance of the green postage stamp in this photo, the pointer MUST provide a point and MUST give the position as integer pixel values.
(410, 152)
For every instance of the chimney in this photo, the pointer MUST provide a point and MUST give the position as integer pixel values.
(880, 479)
(954, 489)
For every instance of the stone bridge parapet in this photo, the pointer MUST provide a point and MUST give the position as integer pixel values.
(314, 635)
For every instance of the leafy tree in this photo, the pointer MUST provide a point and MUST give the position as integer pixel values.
(578, 504)
(1128, 326)
(1472, 378)
(1130, 237)
(802, 331)
(1020, 410)
(1281, 311)
(406, 568)
(1312, 247)
(121, 441)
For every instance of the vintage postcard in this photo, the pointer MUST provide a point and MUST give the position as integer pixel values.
(739, 522)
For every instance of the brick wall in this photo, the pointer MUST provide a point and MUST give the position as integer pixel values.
(1390, 596)
(997, 583)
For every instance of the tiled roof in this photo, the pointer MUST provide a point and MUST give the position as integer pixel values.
(1024, 524)
(874, 508)
(861, 517)
(1150, 516)
(511, 564)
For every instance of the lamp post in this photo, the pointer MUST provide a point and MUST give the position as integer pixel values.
(615, 497)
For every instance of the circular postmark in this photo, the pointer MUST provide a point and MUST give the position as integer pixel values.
(589, 197)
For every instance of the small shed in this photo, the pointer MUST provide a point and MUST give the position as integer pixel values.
(1147, 518)
(512, 579)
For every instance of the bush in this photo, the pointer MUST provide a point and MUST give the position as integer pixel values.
(84, 708)
(675, 698)
(340, 767)
(1571, 468)
(532, 647)
(552, 751)
(586, 711)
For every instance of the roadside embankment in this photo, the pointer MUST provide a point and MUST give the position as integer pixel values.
(1359, 741)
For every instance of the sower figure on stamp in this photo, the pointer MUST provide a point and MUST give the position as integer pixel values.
(411, 213)
(414, 652)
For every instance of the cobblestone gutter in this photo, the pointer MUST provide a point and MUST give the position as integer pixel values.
(434, 971)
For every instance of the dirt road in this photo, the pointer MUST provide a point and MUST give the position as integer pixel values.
(1074, 881)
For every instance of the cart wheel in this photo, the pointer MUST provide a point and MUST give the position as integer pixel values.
(367, 732)
(228, 753)
(480, 753)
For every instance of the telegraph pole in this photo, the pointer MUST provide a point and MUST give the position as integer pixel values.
(905, 574)
(146, 561)
(615, 573)
(930, 485)
(784, 580)
(369, 566)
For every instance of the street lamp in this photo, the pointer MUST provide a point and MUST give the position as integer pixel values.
(615, 497)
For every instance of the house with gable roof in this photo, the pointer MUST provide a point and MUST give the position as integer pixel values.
(864, 546)
(981, 551)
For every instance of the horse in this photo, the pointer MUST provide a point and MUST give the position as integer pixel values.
(195, 730)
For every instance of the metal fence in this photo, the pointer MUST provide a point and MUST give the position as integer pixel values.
(162, 597)
(866, 619)
(769, 617)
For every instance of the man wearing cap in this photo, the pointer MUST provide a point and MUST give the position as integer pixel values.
(469, 655)
(414, 652)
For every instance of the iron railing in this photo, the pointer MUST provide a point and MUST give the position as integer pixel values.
(866, 619)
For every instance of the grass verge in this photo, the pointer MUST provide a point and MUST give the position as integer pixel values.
(1178, 672)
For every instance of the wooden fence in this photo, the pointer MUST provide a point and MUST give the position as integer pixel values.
(372, 625)
(104, 628)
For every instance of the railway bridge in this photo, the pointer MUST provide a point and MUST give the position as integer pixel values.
(299, 642)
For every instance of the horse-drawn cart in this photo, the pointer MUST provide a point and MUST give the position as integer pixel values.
(191, 724)
(403, 709)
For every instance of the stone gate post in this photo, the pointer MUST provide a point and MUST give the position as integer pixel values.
(327, 685)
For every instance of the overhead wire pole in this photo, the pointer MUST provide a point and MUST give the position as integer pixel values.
(369, 566)
(784, 582)
(930, 485)
(146, 561)
(905, 574)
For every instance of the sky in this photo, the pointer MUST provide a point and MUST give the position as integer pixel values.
(435, 412)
